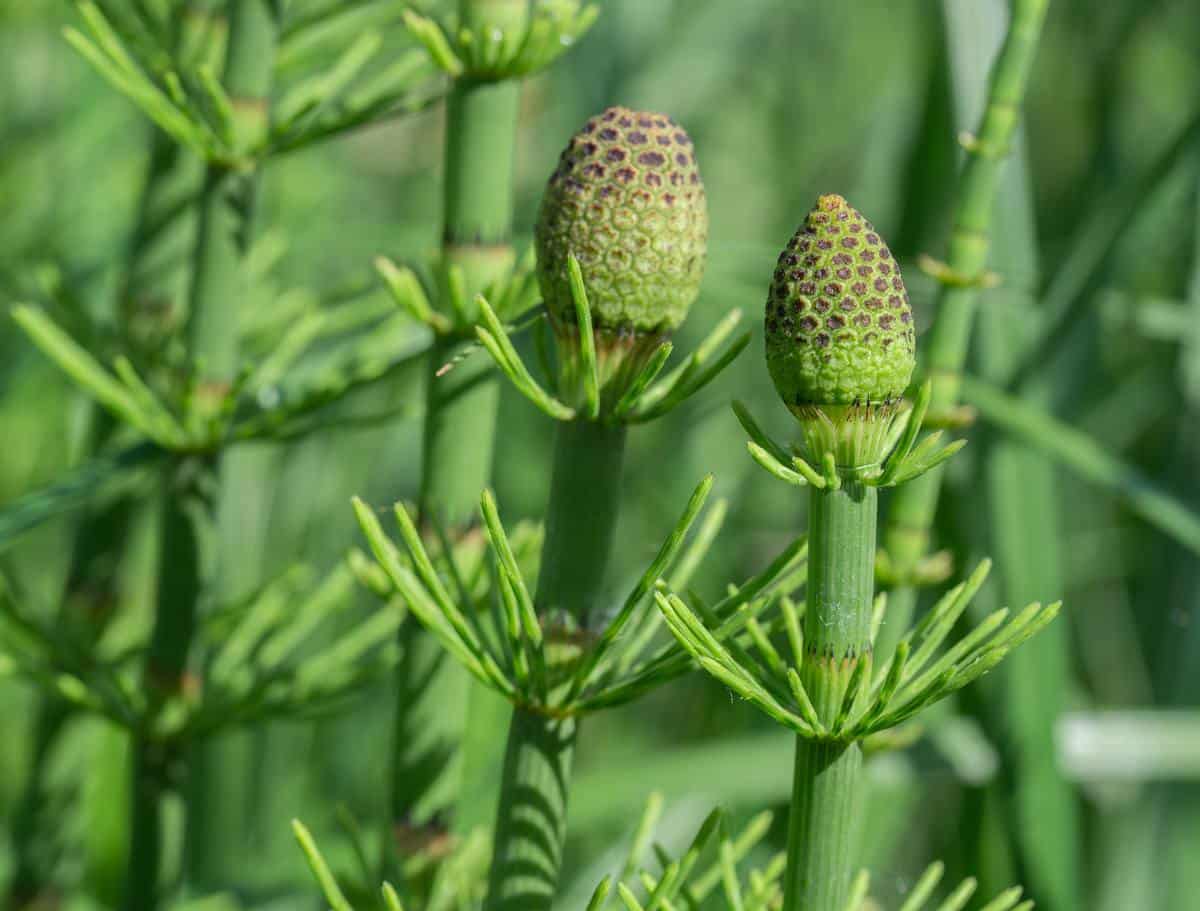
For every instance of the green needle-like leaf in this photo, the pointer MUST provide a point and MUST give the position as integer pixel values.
(500, 347)
(924, 887)
(432, 580)
(858, 891)
(391, 901)
(912, 427)
(86, 483)
(600, 896)
(957, 900)
(406, 291)
(757, 436)
(791, 625)
(666, 554)
(587, 341)
(693, 377)
(859, 677)
(433, 38)
(1005, 901)
(85, 370)
(645, 376)
(316, 862)
(629, 898)
(774, 467)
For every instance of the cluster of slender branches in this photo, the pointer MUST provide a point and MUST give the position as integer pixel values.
(517, 624)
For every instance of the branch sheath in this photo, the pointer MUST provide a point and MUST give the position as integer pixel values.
(837, 635)
(912, 509)
(532, 818)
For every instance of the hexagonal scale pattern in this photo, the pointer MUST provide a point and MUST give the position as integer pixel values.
(628, 201)
(839, 328)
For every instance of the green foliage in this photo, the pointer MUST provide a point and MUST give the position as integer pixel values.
(1057, 338)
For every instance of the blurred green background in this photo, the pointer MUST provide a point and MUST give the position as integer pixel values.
(1099, 210)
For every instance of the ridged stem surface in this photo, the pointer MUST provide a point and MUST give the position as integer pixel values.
(585, 492)
(531, 826)
(912, 508)
(822, 832)
(459, 433)
(827, 785)
(580, 527)
(187, 552)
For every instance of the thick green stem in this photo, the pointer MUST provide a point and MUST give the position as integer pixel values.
(826, 792)
(481, 125)
(481, 128)
(187, 553)
(837, 635)
(531, 826)
(912, 509)
(580, 528)
(585, 492)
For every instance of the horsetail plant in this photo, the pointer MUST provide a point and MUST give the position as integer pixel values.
(485, 53)
(149, 302)
(960, 279)
(840, 349)
(681, 882)
(712, 864)
(202, 400)
(1045, 850)
(621, 241)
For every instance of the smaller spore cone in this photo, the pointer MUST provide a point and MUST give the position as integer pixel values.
(839, 328)
(627, 200)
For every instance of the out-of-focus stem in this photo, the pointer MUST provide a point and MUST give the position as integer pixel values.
(912, 509)
(187, 551)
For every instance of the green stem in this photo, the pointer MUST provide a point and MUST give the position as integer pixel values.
(826, 787)
(460, 426)
(912, 509)
(187, 552)
(580, 528)
(826, 803)
(531, 826)
(585, 492)
(186, 562)
(227, 201)
(27, 886)
(481, 128)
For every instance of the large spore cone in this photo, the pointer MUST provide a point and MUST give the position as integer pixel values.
(627, 200)
(839, 328)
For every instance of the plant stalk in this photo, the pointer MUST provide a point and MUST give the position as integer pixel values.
(913, 507)
(1029, 694)
(459, 434)
(580, 529)
(827, 785)
(532, 821)
(188, 554)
